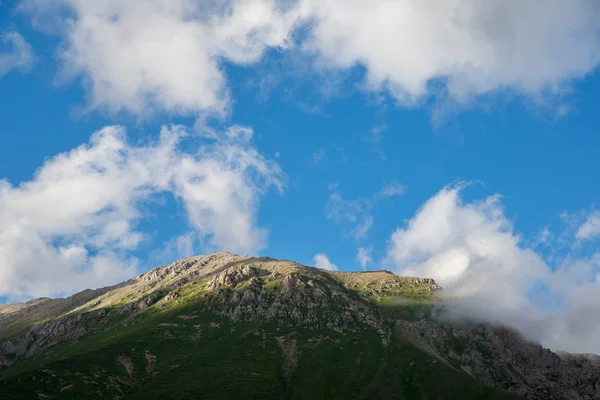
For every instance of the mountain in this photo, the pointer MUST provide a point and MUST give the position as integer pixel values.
(223, 326)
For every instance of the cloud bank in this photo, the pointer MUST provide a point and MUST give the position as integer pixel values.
(74, 224)
(169, 55)
(471, 249)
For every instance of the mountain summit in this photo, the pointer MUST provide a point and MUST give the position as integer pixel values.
(223, 326)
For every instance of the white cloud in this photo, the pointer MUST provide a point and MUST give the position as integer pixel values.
(471, 250)
(18, 56)
(365, 256)
(474, 46)
(74, 224)
(321, 261)
(590, 229)
(166, 54)
(140, 55)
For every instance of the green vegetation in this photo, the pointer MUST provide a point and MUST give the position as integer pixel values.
(181, 353)
(178, 342)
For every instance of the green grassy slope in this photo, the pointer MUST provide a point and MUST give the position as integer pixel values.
(228, 327)
(183, 354)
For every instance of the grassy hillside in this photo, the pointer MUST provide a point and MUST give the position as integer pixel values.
(228, 327)
(183, 353)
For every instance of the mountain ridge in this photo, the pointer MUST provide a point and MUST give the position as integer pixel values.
(387, 323)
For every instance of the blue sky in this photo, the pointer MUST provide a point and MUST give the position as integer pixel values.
(467, 152)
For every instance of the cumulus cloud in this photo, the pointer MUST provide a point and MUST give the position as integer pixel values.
(142, 55)
(365, 256)
(17, 54)
(74, 224)
(473, 46)
(167, 54)
(471, 249)
(321, 261)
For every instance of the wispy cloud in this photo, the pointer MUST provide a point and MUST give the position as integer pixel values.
(360, 232)
(18, 54)
(356, 213)
(590, 229)
(543, 237)
(365, 257)
(318, 157)
(375, 134)
(393, 189)
(339, 209)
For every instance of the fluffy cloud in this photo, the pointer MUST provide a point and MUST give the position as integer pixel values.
(167, 54)
(19, 54)
(365, 256)
(141, 55)
(473, 46)
(469, 248)
(472, 251)
(74, 224)
(321, 261)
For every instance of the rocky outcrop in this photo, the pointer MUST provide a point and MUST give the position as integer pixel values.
(40, 336)
(233, 276)
(384, 283)
(500, 357)
(290, 300)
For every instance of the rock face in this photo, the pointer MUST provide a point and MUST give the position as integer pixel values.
(284, 294)
(310, 299)
(500, 357)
